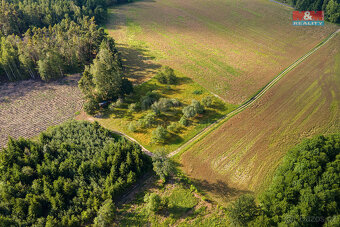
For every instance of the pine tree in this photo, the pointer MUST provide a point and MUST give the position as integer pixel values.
(86, 84)
(333, 11)
(51, 66)
(107, 73)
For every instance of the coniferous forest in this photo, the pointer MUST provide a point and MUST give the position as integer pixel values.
(304, 191)
(69, 177)
(40, 36)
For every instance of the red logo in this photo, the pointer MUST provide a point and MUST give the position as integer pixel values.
(308, 16)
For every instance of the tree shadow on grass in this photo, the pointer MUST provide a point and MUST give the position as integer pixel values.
(177, 211)
(138, 64)
(174, 139)
(106, 113)
(219, 105)
(170, 90)
(209, 116)
(143, 89)
(184, 80)
(220, 188)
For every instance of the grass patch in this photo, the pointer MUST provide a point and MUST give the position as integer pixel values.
(185, 91)
(184, 209)
(181, 200)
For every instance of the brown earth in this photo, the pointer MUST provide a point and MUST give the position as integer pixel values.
(231, 47)
(242, 154)
(29, 107)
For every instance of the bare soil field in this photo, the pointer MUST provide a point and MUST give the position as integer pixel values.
(231, 47)
(29, 107)
(242, 154)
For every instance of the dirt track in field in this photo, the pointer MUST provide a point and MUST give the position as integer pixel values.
(30, 107)
(242, 154)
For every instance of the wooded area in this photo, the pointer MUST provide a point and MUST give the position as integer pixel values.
(65, 177)
(304, 192)
(46, 39)
(306, 185)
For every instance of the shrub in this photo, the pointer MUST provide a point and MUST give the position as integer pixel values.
(165, 104)
(197, 92)
(162, 105)
(91, 106)
(197, 106)
(133, 107)
(159, 134)
(173, 127)
(133, 126)
(193, 109)
(112, 107)
(176, 103)
(171, 77)
(156, 108)
(243, 210)
(147, 100)
(141, 123)
(207, 101)
(160, 76)
(193, 188)
(153, 201)
(119, 103)
(168, 88)
(189, 111)
(148, 120)
(162, 165)
(184, 121)
(166, 76)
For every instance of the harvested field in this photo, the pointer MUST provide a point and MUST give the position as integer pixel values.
(231, 47)
(29, 107)
(242, 154)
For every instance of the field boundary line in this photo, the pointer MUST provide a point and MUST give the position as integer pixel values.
(146, 151)
(245, 105)
(283, 4)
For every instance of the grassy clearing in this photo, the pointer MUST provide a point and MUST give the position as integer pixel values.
(243, 152)
(181, 200)
(232, 48)
(186, 208)
(185, 91)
